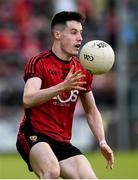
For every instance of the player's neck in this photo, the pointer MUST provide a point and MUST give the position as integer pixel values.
(60, 54)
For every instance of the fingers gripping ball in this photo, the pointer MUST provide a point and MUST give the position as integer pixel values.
(97, 57)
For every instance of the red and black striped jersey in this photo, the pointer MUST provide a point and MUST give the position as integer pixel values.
(55, 117)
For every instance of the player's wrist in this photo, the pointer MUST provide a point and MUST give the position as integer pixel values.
(103, 141)
(63, 86)
(60, 87)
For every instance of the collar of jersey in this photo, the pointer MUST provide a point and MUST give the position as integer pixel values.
(61, 60)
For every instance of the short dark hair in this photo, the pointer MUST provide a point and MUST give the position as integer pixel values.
(64, 16)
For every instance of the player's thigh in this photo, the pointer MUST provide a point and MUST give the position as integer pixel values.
(77, 167)
(43, 160)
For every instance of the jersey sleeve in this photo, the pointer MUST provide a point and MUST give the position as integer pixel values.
(89, 79)
(33, 68)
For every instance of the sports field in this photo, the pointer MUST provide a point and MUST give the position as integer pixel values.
(126, 166)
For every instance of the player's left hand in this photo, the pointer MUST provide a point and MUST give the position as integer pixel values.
(108, 154)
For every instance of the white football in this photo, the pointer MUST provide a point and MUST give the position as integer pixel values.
(97, 56)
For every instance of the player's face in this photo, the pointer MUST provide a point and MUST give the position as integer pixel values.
(71, 38)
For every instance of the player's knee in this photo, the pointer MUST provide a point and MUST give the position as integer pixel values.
(53, 173)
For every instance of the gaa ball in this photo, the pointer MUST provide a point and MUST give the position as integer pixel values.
(97, 56)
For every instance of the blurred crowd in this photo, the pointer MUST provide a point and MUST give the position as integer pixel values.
(25, 31)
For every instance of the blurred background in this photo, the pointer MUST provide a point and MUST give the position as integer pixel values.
(25, 31)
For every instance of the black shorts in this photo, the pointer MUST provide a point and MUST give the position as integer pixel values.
(61, 150)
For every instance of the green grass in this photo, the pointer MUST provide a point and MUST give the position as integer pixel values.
(13, 167)
(126, 166)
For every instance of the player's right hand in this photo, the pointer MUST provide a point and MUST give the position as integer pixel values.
(74, 80)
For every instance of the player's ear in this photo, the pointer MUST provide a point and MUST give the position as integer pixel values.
(57, 34)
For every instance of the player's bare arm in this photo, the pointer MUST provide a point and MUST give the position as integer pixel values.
(93, 115)
(33, 95)
(95, 123)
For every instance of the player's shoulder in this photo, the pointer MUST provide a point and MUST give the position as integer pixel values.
(38, 59)
(45, 54)
(41, 55)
